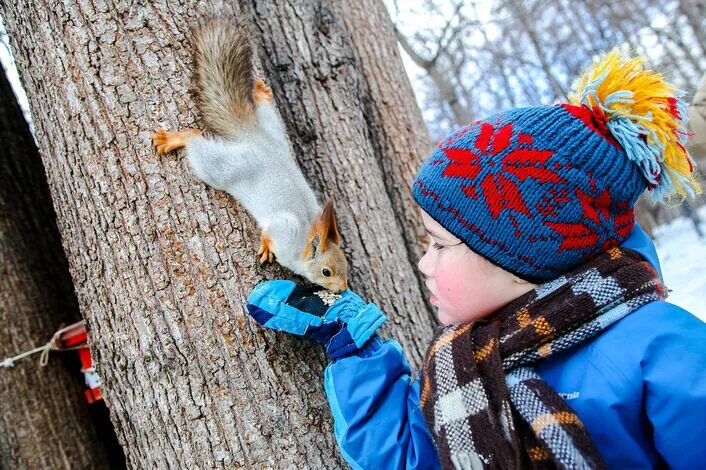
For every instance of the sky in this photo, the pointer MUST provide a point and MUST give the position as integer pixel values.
(8, 65)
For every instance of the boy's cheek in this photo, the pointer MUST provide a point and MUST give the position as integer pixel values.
(464, 295)
(452, 304)
(451, 285)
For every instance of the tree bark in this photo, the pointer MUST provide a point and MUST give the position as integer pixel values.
(397, 131)
(45, 421)
(162, 264)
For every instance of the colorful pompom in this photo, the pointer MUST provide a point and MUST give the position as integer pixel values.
(647, 116)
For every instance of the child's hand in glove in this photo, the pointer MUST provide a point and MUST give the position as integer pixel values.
(340, 321)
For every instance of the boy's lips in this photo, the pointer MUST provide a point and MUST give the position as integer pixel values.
(432, 297)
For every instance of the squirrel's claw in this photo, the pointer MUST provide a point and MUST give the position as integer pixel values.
(265, 256)
(265, 253)
(268, 257)
(160, 140)
(166, 142)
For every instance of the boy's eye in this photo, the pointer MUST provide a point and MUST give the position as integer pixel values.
(437, 246)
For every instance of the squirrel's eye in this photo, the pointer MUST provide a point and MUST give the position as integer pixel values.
(326, 272)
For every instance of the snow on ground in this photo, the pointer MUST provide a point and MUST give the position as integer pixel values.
(682, 255)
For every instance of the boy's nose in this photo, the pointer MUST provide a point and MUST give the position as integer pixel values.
(423, 265)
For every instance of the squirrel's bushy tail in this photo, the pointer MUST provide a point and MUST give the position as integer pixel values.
(225, 76)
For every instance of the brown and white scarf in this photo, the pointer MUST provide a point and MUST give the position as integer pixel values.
(482, 400)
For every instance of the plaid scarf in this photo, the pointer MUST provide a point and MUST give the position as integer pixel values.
(484, 403)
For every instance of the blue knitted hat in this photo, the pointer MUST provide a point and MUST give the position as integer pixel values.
(540, 190)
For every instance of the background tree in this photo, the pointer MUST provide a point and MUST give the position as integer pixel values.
(45, 422)
(162, 265)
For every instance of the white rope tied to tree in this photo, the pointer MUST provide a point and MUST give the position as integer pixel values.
(52, 345)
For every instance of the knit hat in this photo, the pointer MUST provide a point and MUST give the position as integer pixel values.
(540, 190)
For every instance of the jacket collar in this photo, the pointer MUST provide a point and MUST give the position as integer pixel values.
(640, 242)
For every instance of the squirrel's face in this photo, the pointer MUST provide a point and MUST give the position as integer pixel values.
(325, 261)
(330, 269)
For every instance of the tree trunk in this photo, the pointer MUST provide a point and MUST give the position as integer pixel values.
(45, 421)
(162, 264)
(397, 131)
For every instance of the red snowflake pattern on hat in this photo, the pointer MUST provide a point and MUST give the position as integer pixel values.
(599, 222)
(493, 174)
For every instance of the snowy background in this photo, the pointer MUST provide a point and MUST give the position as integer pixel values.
(683, 257)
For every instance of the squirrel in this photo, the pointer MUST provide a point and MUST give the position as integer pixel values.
(250, 158)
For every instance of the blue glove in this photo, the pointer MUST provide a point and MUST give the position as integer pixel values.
(343, 322)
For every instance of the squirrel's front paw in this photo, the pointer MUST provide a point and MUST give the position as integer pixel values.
(261, 92)
(166, 142)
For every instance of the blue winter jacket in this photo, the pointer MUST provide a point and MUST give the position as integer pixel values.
(639, 388)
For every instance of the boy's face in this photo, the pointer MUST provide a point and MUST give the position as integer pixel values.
(464, 285)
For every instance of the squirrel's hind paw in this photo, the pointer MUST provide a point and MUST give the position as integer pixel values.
(261, 92)
(166, 142)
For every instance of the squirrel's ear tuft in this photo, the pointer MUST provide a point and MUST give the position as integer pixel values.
(328, 227)
(323, 231)
(312, 248)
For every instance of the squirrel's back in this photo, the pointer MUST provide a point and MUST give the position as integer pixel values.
(225, 76)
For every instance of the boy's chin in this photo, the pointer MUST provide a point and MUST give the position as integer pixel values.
(445, 319)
